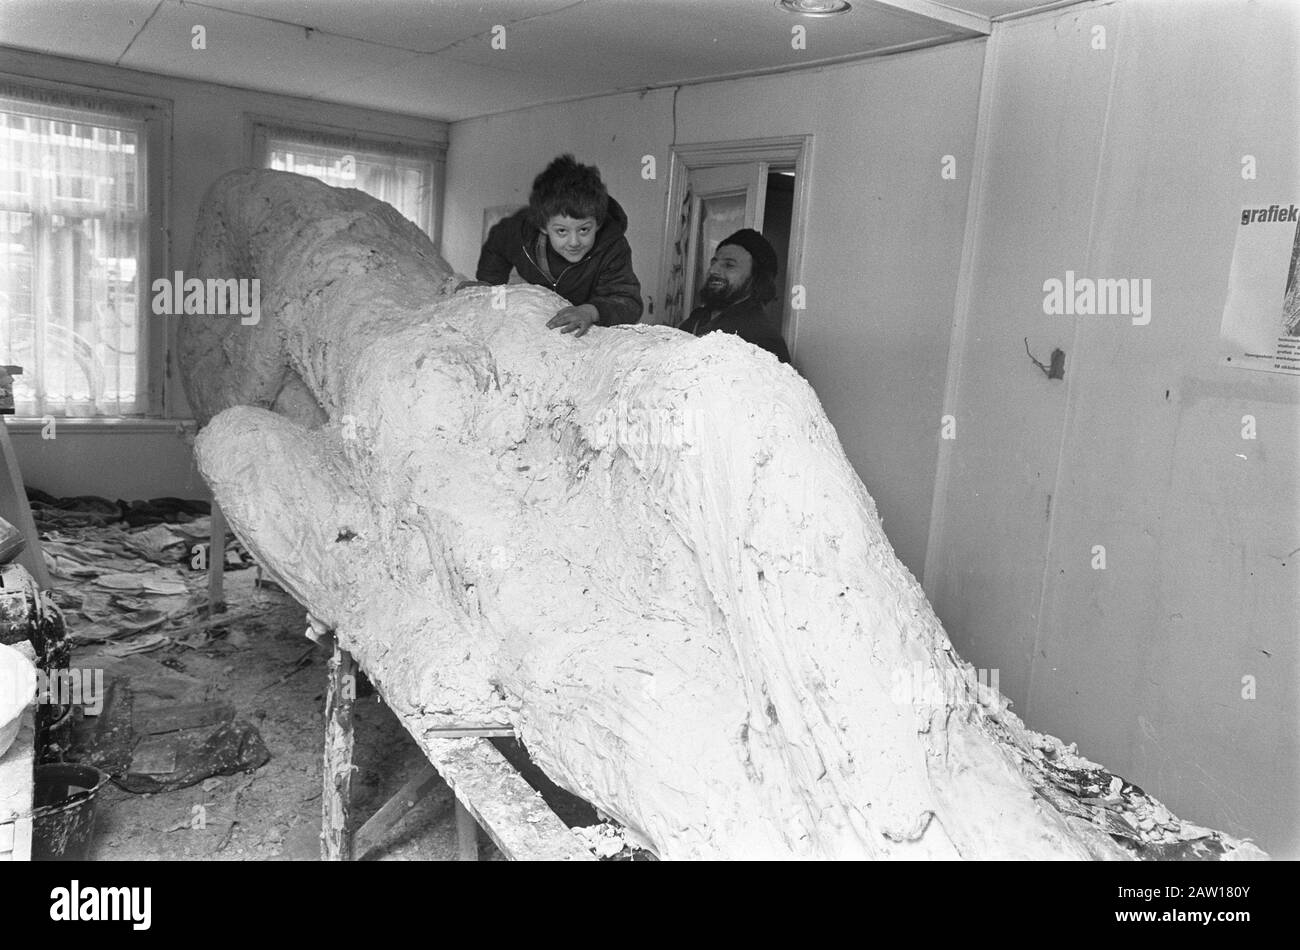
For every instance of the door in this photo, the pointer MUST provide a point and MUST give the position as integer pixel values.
(725, 198)
(718, 188)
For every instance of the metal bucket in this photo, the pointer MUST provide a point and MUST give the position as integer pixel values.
(63, 820)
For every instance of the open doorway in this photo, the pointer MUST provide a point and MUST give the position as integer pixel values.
(778, 216)
(718, 188)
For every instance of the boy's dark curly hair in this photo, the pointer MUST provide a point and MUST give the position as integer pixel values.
(569, 189)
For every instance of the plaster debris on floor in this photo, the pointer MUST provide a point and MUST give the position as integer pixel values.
(186, 693)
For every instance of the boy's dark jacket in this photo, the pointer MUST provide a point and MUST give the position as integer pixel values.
(603, 278)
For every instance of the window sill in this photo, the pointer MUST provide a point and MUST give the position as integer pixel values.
(84, 426)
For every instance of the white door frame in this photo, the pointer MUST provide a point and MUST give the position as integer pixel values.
(793, 150)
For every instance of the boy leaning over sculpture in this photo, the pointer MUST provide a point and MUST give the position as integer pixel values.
(572, 239)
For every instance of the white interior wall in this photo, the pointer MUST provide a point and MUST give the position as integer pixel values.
(208, 139)
(1126, 163)
(884, 237)
(128, 460)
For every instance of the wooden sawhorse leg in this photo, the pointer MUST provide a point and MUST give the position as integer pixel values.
(216, 561)
(336, 839)
(466, 833)
(336, 800)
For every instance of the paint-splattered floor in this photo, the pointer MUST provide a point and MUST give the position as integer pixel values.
(135, 602)
(275, 811)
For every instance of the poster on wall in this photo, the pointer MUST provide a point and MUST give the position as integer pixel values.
(1261, 319)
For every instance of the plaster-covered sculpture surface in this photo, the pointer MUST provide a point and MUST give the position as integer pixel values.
(645, 551)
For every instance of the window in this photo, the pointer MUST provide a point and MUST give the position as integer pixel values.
(402, 174)
(74, 252)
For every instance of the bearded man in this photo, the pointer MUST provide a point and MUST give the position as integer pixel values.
(741, 279)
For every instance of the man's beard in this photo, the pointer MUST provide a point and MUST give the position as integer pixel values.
(714, 296)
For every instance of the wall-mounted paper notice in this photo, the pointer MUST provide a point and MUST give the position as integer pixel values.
(1261, 319)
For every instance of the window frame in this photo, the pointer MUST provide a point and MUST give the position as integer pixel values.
(156, 114)
(257, 128)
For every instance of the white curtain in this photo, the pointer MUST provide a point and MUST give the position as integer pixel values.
(399, 174)
(73, 253)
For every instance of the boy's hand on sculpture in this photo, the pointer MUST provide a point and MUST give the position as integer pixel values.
(575, 320)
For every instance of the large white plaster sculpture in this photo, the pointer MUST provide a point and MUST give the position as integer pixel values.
(647, 552)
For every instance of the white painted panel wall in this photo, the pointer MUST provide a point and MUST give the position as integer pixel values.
(1131, 168)
(884, 239)
(130, 461)
(1032, 220)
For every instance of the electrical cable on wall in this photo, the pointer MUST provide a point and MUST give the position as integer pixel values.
(1057, 369)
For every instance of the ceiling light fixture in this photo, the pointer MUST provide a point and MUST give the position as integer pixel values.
(815, 8)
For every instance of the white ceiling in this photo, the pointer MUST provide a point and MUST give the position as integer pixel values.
(434, 58)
